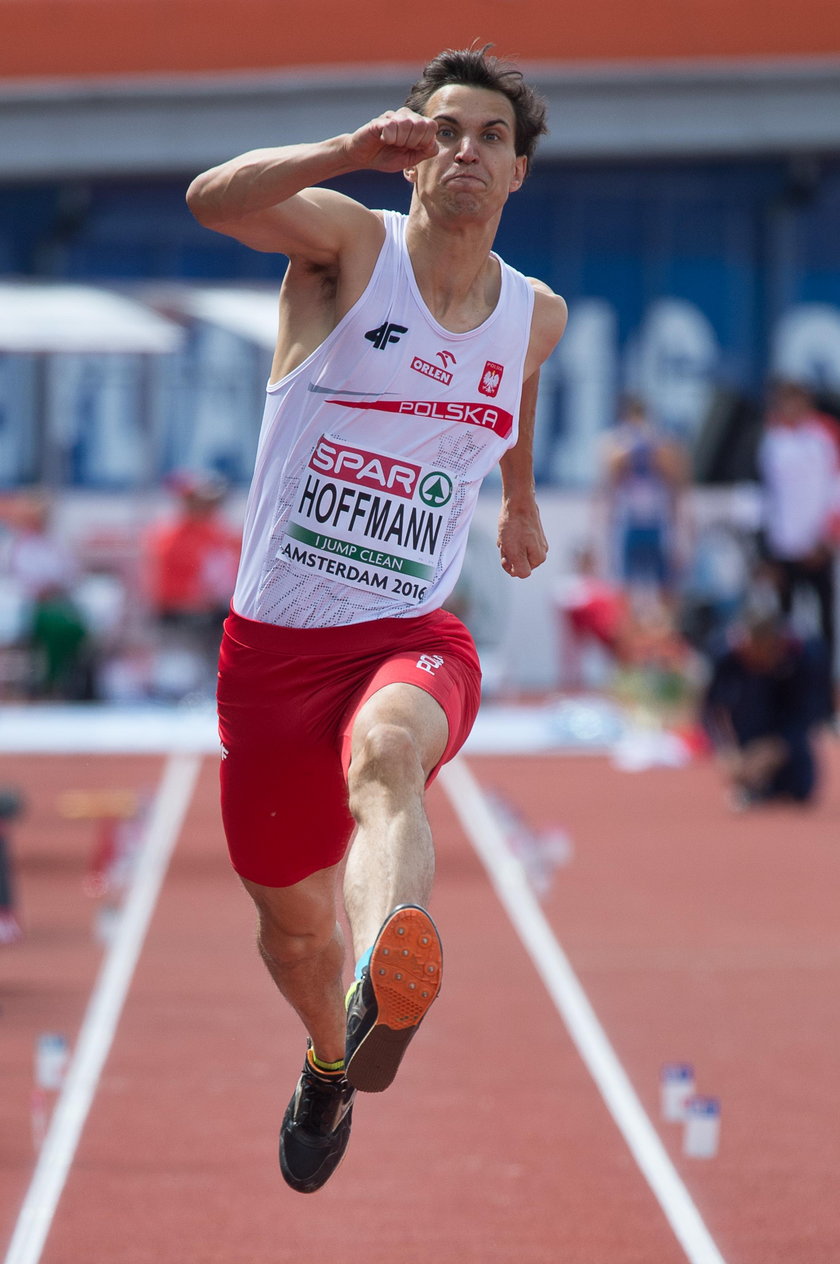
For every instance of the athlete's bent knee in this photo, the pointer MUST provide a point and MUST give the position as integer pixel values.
(388, 756)
(282, 947)
(293, 931)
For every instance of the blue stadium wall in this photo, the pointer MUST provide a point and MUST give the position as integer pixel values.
(730, 247)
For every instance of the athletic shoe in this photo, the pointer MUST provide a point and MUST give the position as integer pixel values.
(315, 1129)
(392, 997)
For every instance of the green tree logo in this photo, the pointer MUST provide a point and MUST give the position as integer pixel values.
(435, 489)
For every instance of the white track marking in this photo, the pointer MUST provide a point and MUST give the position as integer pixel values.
(522, 906)
(104, 1008)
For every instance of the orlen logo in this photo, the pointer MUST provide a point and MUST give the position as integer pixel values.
(367, 469)
(491, 378)
(432, 370)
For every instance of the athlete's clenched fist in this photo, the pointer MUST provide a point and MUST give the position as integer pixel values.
(395, 141)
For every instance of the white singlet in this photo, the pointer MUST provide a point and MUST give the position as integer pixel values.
(372, 453)
(801, 478)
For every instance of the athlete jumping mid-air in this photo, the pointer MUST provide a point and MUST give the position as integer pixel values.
(406, 369)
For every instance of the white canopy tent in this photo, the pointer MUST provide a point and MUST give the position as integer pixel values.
(90, 392)
(232, 335)
(76, 362)
(45, 318)
(249, 312)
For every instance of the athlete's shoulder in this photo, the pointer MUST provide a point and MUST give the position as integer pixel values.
(550, 315)
(547, 298)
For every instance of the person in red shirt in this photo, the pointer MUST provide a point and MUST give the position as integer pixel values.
(191, 561)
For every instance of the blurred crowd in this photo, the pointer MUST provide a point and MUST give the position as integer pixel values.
(731, 630)
(730, 627)
(127, 615)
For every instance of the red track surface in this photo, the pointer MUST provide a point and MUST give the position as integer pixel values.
(698, 935)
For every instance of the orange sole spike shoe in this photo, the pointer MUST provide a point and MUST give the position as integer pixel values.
(396, 990)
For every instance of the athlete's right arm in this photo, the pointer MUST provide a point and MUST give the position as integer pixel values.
(265, 198)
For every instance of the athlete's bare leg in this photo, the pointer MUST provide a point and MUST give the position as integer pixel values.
(398, 737)
(303, 948)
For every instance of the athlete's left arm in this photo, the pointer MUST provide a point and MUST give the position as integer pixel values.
(521, 539)
(522, 542)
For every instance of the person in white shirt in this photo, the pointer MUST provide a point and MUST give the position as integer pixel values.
(406, 368)
(799, 466)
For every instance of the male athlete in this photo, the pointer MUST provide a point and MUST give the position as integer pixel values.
(406, 368)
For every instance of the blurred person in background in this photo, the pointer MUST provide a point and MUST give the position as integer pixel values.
(11, 806)
(594, 614)
(190, 560)
(799, 467)
(627, 643)
(41, 570)
(762, 705)
(644, 474)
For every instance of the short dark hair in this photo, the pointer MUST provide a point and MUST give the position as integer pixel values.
(475, 69)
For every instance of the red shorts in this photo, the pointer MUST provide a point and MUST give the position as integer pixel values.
(287, 699)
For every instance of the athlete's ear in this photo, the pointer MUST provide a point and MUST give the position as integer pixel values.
(410, 174)
(519, 172)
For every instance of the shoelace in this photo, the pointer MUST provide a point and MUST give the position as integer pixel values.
(321, 1101)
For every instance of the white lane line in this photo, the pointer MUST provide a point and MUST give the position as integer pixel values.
(524, 911)
(103, 1012)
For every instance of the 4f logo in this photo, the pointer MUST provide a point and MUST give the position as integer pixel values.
(385, 333)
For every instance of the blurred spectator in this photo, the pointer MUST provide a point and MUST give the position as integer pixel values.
(642, 655)
(35, 555)
(41, 571)
(11, 806)
(190, 564)
(718, 580)
(761, 706)
(644, 474)
(593, 617)
(658, 668)
(799, 466)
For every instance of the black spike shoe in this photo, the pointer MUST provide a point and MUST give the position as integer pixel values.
(315, 1129)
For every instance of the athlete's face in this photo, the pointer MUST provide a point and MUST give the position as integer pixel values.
(476, 166)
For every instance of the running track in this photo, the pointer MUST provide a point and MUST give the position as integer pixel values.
(696, 935)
